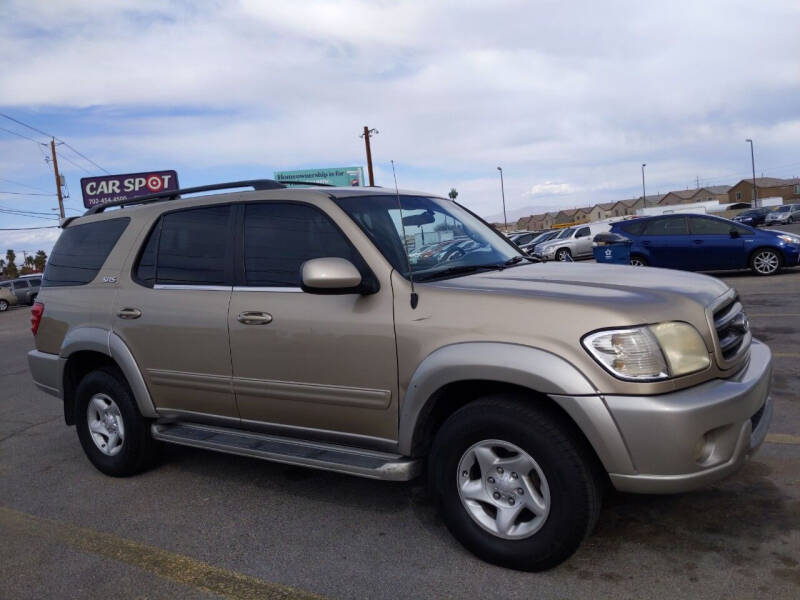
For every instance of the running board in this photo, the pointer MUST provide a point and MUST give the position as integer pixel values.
(317, 455)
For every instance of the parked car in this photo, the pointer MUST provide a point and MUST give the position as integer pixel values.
(7, 297)
(788, 213)
(571, 244)
(754, 216)
(538, 239)
(706, 243)
(25, 288)
(520, 238)
(287, 324)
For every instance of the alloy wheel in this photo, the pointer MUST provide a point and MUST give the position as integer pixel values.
(105, 424)
(503, 489)
(766, 262)
(3, 305)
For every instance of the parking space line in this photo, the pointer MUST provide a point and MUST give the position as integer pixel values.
(783, 438)
(179, 568)
(786, 354)
(773, 315)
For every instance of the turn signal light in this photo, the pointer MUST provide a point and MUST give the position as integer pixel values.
(37, 310)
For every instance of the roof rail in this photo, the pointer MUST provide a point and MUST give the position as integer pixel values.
(256, 184)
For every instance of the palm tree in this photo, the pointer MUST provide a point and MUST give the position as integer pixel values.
(11, 268)
(39, 260)
(453, 194)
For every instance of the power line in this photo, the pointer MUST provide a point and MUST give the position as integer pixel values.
(26, 194)
(8, 209)
(20, 135)
(22, 184)
(73, 163)
(28, 228)
(26, 125)
(85, 157)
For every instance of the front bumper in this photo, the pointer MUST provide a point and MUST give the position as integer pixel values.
(691, 438)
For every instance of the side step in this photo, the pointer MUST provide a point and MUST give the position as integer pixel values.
(317, 455)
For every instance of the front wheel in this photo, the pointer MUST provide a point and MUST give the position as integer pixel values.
(765, 261)
(564, 255)
(114, 435)
(513, 483)
(638, 261)
(3, 305)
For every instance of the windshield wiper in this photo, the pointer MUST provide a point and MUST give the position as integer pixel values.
(461, 270)
(515, 259)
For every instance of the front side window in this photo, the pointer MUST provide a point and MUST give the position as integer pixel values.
(442, 238)
(667, 226)
(21, 284)
(582, 232)
(280, 237)
(81, 251)
(189, 247)
(566, 233)
(705, 226)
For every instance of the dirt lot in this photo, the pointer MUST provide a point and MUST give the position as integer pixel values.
(213, 525)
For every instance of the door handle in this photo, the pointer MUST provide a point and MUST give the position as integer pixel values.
(698, 241)
(129, 313)
(251, 317)
(645, 243)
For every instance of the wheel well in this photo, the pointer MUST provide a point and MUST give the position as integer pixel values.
(79, 364)
(449, 398)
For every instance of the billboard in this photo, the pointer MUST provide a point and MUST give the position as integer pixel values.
(338, 176)
(111, 188)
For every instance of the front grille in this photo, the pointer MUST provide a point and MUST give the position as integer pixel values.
(732, 329)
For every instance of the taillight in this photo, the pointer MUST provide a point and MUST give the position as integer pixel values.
(37, 310)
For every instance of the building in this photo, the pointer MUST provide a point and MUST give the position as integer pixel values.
(788, 189)
(715, 193)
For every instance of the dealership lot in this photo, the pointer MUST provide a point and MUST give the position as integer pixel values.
(212, 525)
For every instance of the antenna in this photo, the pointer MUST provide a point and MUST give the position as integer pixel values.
(414, 296)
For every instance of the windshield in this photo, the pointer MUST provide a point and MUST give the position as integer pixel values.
(442, 238)
(566, 233)
(786, 208)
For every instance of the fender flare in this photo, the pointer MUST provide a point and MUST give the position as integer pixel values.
(104, 341)
(526, 366)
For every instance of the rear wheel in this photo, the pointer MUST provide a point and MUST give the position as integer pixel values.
(563, 254)
(3, 305)
(638, 261)
(765, 261)
(513, 484)
(114, 435)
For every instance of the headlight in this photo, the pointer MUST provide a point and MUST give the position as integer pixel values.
(789, 239)
(649, 353)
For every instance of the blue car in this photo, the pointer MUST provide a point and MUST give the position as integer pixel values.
(705, 243)
(754, 216)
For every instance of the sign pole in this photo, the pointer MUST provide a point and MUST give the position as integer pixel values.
(58, 177)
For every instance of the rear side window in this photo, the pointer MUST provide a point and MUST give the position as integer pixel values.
(188, 247)
(668, 226)
(280, 237)
(703, 226)
(81, 251)
(633, 227)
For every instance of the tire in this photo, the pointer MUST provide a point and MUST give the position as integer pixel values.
(637, 260)
(568, 489)
(563, 255)
(3, 305)
(766, 261)
(134, 449)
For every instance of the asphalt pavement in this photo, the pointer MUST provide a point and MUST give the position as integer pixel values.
(207, 525)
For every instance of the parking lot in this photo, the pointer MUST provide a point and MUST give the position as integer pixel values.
(213, 525)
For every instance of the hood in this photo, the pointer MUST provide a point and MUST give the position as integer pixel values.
(593, 283)
(551, 242)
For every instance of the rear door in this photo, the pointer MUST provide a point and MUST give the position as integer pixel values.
(315, 362)
(174, 314)
(713, 246)
(22, 290)
(665, 240)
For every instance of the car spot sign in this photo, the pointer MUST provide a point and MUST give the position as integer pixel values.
(114, 188)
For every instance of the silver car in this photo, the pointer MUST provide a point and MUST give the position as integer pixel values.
(572, 243)
(788, 213)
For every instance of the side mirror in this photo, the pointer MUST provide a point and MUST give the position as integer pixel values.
(330, 276)
(734, 234)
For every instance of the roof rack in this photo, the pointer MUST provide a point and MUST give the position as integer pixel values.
(256, 184)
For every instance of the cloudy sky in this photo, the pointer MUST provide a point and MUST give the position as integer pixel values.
(569, 97)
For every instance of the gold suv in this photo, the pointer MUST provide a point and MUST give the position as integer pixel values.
(290, 324)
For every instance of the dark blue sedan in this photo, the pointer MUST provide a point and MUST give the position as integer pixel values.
(705, 243)
(754, 216)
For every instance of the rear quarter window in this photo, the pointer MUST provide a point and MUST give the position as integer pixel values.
(633, 227)
(81, 251)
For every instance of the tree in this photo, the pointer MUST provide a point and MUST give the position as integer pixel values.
(40, 260)
(453, 194)
(11, 267)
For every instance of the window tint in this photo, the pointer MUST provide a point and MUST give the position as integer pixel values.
(633, 227)
(6, 284)
(146, 267)
(742, 230)
(667, 226)
(523, 239)
(582, 232)
(194, 247)
(703, 226)
(21, 283)
(35, 282)
(81, 251)
(279, 238)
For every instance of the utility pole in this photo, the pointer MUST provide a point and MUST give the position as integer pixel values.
(753, 164)
(366, 135)
(58, 178)
(697, 177)
(644, 194)
(503, 193)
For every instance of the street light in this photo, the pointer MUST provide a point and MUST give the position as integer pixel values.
(503, 193)
(644, 194)
(753, 163)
